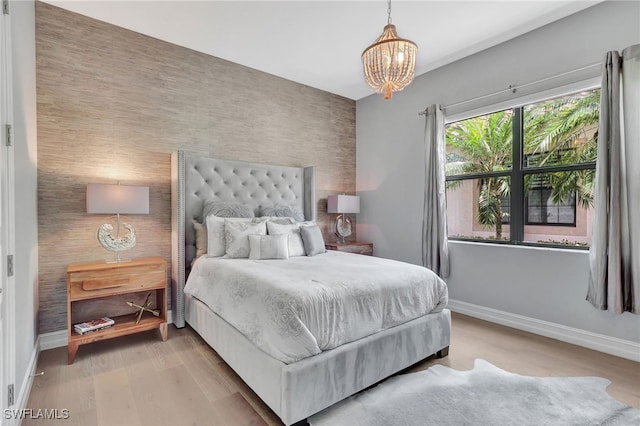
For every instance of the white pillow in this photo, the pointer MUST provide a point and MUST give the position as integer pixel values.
(201, 239)
(281, 220)
(296, 247)
(268, 247)
(216, 245)
(236, 236)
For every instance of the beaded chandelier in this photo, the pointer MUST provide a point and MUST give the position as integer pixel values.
(390, 62)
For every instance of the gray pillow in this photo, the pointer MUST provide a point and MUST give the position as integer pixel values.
(283, 210)
(225, 209)
(268, 246)
(312, 240)
(216, 244)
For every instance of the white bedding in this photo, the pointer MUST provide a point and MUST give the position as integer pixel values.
(296, 308)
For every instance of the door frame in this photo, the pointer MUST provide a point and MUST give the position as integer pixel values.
(7, 225)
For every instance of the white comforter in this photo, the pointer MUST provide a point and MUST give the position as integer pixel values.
(296, 308)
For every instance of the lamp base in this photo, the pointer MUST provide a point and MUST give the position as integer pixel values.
(116, 243)
(343, 227)
(118, 260)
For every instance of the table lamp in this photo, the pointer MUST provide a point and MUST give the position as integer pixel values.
(344, 205)
(117, 199)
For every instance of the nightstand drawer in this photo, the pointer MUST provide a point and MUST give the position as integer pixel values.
(89, 285)
(95, 283)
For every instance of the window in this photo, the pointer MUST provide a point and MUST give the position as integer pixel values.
(541, 209)
(525, 175)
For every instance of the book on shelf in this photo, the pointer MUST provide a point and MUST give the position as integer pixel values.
(93, 325)
(79, 331)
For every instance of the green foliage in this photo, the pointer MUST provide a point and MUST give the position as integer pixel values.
(481, 144)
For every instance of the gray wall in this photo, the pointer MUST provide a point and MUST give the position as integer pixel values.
(549, 285)
(24, 131)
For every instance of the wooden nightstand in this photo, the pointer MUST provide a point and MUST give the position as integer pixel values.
(352, 247)
(89, 281)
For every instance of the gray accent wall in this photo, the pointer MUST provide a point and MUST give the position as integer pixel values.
(26, 197)
(548, 285)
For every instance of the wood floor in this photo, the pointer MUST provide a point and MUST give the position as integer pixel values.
(140, 380)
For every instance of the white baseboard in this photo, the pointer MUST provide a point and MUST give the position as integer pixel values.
(27, 380)
(599, 342)
(57, 339)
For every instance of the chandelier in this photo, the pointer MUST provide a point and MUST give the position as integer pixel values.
(390, 62)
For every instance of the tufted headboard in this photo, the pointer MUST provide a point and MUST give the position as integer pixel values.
(195, 179)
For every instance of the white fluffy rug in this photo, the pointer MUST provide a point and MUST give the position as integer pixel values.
(485, 395)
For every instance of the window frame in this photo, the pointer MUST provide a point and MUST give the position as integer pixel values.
(517, 203)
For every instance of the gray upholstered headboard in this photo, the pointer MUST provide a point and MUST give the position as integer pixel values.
(195, 179)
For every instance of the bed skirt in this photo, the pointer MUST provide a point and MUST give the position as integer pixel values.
(298, 390)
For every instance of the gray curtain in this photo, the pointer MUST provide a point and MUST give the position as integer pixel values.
(614, 256)
(435, 253)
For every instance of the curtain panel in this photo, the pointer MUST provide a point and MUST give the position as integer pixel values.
(614, 256)
(435, 252)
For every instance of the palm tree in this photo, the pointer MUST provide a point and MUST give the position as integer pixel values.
(483, 144)
(559, 131)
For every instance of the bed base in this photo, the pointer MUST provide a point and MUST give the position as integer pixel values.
(299, 390)
(443, 352)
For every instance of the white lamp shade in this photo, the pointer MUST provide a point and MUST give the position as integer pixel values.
(114, 199)
(343, 204)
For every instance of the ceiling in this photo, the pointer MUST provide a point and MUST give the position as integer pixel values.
(319, 43)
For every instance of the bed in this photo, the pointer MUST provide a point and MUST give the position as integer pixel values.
(299, 385)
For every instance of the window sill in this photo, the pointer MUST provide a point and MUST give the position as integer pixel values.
(525, 246)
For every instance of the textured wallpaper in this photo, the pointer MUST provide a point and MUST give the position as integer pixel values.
(112, 106)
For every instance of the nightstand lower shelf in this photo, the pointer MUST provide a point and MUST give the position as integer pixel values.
(124, 325)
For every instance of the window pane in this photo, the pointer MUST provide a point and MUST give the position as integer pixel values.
(480, 144)
(562, 131)
(505, 200)
(475, 210)
(559, 207)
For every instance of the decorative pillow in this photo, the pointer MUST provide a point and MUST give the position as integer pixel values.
(201, 239)
(274, 219)
(225, 209)
(296, 248)
(236, 236)
(312, 240)
(283, 210)
(268, 247)
(216, 245)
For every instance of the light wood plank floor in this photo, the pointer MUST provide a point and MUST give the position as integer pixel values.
(139, 380)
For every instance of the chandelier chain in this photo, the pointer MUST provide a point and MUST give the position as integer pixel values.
(389, 12)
